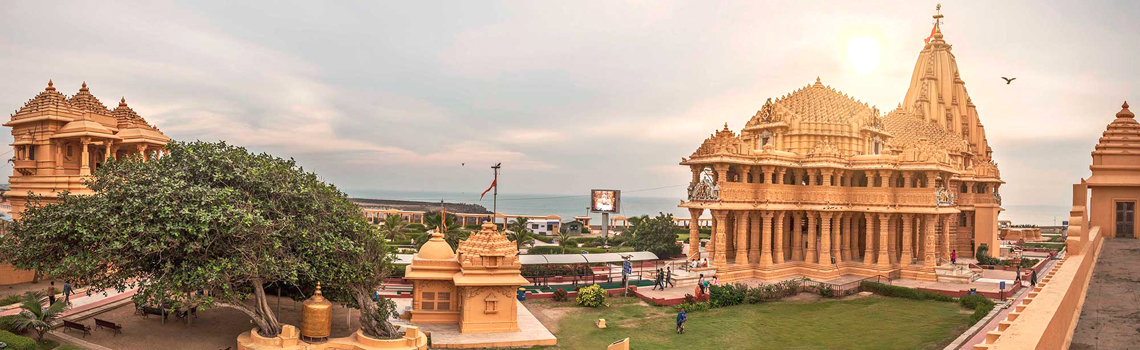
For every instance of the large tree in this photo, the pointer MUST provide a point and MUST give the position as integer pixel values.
(207, 225)
(655, 234)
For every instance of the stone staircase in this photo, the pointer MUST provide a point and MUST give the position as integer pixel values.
(957, 273)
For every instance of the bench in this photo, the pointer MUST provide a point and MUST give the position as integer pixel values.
(118, 328)
(76, 326)
(147, 311)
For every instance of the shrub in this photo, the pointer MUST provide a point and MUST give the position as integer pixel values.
(9, 300)
(543, 239)
(559, 295)
(592, 296)
(693, 307)
(7, 325)
(826, 291)
(754, 295)
(16, 342)
(981, 305)
(983, 256)
(727, 294)
(903, 292)
(689, 299)
(417, 227)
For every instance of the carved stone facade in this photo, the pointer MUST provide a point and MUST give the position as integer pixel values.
(829, 178)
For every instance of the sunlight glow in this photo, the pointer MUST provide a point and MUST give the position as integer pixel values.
(863, 53)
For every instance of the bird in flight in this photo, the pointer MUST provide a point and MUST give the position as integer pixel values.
(1008, 80)
(462, 164)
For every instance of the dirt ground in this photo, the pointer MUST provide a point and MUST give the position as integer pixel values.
(1110, 318)
(215, 328)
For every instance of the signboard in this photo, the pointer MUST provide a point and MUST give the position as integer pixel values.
(626, 268)
(605, 201)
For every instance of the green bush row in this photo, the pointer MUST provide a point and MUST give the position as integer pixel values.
(980, 304)
(9, 300)
(739, 293)
(903, 292)
(7, 324)
(16, 342)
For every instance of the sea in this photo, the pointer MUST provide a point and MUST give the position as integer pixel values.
(569, 206)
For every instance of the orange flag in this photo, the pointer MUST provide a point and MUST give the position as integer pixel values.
(931, 33)
(493, 184)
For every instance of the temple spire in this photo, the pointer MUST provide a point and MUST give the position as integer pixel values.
(50, 87)
(1124, 112)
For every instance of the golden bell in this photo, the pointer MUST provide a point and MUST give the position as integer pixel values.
(316, 316)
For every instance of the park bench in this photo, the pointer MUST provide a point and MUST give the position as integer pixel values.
(148, 310)
(76, 326)
(118, 328)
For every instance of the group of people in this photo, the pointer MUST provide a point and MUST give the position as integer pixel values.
(664, 278)
(66, 293)
(695, 263)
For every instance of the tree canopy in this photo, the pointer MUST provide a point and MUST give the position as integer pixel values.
(210, 224)
(655, 234)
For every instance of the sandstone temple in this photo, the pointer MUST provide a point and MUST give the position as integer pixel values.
(58, 140)
(820, 184)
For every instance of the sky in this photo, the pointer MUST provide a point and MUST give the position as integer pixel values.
(426, 95)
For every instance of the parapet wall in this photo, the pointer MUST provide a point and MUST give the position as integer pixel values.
(1048, 315)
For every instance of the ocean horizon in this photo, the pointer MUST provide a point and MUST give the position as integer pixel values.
(569, 206)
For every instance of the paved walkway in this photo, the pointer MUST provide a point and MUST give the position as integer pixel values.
(1110, 317)
(81, 303)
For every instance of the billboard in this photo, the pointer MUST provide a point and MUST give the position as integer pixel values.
(605, 201)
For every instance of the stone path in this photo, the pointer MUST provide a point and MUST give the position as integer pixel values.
(81, 303)
(993, 322)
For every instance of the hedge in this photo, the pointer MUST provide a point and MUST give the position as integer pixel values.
(6, 323)
(16, 342)
(980, 304)
(903, 292)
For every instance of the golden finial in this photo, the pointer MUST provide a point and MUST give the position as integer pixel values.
(84, 87)
(1124, 112)
(50, 87)
(123, 102)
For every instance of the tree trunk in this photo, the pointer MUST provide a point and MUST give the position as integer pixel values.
(370, 321)
(261, 314)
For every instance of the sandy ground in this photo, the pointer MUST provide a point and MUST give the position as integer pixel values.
(1110, 318)
(215, 328)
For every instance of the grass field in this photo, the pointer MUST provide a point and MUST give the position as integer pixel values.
(864, 323)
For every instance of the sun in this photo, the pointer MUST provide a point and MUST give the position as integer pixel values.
(863, 52)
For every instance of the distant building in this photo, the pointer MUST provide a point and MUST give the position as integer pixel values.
(545, 227)
(58, 140)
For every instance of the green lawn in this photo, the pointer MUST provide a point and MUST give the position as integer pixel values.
(684, 237)
(865, 323)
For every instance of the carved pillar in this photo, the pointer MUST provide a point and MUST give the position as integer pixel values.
(719, 259)
(768, 174)
(812, 254)
(908, 234)
(825, 238)
(946, 219)
(741, 237)
(695, 233)
(826, 176)
(886, 178)
(59, 157)
(85, 163)
(780, 175)
(931, 259)
(764, 219)
(811, 176)
(710, 247)
(868, 239)
(836, 234)
(779, 242)
(884, 259)
(754, 245)
(854, 224)
(892, 239)
(906, 179)
(846, 237)
(929, 183)
(797, 236)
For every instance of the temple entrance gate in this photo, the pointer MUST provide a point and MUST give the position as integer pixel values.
(1125, 219)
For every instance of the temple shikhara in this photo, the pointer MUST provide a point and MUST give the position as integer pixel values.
(820, 184)
(59, 139)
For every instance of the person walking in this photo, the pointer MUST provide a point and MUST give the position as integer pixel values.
(659, 282)
(67, 292)
(51, 294)
(681, 318)
(669, 277)
(954, 257)
(1018, 280)
(1033, 278)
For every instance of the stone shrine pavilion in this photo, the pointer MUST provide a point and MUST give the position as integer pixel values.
(820, 184)
(474, 286)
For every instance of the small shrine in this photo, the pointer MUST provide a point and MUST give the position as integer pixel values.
(473, 287)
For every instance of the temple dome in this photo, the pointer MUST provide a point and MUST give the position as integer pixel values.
(84, 127)
(436, 249)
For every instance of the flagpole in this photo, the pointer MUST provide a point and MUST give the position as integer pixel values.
(495, 197)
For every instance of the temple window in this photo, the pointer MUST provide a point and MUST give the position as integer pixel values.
(31, 152)
(962, 219)
(491, 261)
(878, 147)
(964, 189)
(69, 153)
(491, 305)
(427, 301)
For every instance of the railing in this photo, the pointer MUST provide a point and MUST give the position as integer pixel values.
(845, 289)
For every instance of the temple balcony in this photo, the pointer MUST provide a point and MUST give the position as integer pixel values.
(25, 166)
(826, 195)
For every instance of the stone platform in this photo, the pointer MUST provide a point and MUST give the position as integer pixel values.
(446, 336)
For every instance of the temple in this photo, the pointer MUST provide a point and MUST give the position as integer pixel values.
(473, 287)
(1115, 180)
(58, 140)
(820, 184)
